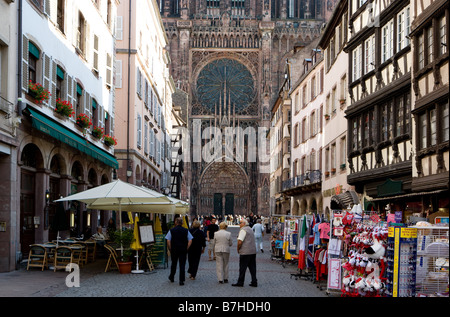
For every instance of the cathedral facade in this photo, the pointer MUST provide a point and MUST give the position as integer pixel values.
(229, 57)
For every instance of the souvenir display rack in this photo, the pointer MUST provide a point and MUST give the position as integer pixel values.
(363, 236)
(432, 261)
(401, 253)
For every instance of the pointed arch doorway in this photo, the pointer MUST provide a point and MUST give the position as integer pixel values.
(224, 190)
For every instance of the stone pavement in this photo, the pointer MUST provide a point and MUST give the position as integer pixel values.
(274, 280)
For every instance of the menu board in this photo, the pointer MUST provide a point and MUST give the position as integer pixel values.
(146, 234)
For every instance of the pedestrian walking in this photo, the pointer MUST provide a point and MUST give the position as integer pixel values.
(246, 248)
(179, 240)
(222, 246)
(258, 229)
(196, 249)
(212, 228)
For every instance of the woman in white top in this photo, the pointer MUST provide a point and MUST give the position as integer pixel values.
(222, 249)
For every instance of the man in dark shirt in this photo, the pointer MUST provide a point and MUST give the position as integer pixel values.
(213, 227)
(179, 240)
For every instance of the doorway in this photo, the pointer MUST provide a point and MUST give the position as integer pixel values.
(27, 209)
(229, 204)
(218, 205)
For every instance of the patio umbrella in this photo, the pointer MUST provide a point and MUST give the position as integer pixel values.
(136, 245)
(119, 195)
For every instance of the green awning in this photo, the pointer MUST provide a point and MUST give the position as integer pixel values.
(33, 50)
(59, 132)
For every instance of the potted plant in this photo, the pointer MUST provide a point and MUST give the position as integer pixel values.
(109, 140)
(327, 116)
(83, 121)
(123, 239)
(37, 92)
(64, 108)
(98, 132)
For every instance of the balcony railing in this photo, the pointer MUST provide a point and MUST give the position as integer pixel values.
(310, 177)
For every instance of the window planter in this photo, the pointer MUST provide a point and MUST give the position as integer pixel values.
(98, 132)
(64, 108)
(83, 121)
(109, 140)
(38, 93)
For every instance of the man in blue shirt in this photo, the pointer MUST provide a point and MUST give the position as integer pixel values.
(179, 240)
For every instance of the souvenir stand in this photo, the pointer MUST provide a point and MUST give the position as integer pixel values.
(363, 237)
(432, 260)
(290, 240)
(311, 252)
(276, 240)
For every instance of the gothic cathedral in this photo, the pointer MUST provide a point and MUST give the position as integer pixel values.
(229, 57)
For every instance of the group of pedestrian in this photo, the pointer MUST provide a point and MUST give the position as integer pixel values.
(190, 244)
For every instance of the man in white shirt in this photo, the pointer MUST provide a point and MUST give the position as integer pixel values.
(247, 254)
(258, 229)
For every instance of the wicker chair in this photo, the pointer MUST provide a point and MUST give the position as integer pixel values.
(77, 252)
(37, 257)
(112, 257)
(63, 257)
(92, 250)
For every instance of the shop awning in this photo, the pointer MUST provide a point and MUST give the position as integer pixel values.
(59, 132)
(342, 201)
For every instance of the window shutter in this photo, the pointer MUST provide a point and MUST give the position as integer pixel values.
(118, 74)
(46, 65)
(145, 138)
(47, 7)
(95, 57)
(53, 77)
(119, 28)
(108, 70)
(25, 53)
(139, 130)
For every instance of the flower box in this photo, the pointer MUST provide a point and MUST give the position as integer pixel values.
(64, 108)
(37, 92)
(83, 121)
(109, 140)
(98, 132)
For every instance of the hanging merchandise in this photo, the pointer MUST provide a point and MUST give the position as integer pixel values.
(363, 237)
(401, 257)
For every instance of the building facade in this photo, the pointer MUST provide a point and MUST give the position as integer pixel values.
(305, 184)
(337, 194)
(9, 120)
(66, 49)
(430, 98)
(229, 57)
(144, 91)
(379, 107)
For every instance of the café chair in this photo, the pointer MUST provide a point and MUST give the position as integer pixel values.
(77, 253)
(37, 257)
(112, 257)
(92, 249)
(63, 257)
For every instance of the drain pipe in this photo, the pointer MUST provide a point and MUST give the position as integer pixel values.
(19, 58)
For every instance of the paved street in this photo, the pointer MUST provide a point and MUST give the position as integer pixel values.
(274, 280)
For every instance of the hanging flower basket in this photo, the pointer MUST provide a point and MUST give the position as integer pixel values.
(98, 132)
(37, 92)
(83, 121)
(109, 140)
(64, 108)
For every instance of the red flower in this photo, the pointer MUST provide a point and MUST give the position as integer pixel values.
(84, 121)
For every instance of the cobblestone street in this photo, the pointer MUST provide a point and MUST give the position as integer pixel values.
(274, 280)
